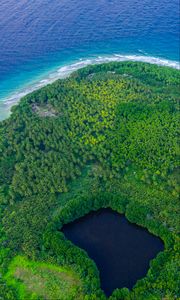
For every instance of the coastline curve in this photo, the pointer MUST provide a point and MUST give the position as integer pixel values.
(66, 70)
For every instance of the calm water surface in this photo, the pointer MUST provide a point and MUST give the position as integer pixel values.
(121, 250)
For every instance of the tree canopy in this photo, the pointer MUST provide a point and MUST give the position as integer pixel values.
(107, 136)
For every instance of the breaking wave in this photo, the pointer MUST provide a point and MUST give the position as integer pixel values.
(65, 71)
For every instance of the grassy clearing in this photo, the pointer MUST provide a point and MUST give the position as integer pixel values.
(44, 110)
(36, 280)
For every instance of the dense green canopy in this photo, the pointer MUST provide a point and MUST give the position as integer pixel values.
(107, 136)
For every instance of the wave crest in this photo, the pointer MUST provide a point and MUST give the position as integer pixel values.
(65, 71)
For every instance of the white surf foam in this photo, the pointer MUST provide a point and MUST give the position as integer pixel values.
(65, 71)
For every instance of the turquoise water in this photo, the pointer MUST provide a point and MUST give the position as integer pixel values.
(43, 40)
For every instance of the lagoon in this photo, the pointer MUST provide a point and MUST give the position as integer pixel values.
(121, 250)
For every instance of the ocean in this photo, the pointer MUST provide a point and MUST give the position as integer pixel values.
(42, 40)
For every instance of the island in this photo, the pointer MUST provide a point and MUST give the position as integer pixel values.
(105, 140)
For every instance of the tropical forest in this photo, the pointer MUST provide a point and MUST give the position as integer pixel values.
(104, 137)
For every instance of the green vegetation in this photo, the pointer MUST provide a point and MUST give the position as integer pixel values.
(105, 137)
(45, 280)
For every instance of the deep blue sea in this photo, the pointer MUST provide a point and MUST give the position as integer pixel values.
(41, 40)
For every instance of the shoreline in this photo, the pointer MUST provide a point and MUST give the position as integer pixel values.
(66, 70)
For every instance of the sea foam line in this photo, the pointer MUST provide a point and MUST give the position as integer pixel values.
(65, 71)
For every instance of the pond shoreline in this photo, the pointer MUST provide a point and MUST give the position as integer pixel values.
(121, 250)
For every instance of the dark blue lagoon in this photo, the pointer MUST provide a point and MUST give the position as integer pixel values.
(40, 40)
(121, 250)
